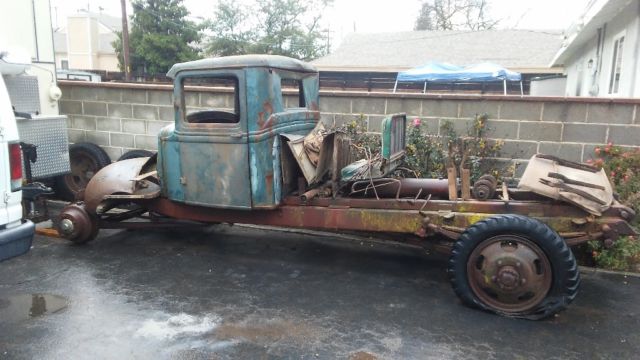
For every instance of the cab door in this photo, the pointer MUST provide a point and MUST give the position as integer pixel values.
(211, 139)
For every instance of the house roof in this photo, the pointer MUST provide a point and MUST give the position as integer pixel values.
(526, 51)
(595, 15)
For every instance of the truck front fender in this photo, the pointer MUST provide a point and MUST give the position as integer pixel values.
(121, 180)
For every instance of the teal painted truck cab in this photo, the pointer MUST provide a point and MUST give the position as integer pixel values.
(231, 158)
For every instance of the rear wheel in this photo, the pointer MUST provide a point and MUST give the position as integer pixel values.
(515, 266)
(133, 154)
(85, 160)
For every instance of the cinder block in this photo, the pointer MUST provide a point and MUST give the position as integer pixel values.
(412, 107)
(146, 142)
(497, 129)
(154, 127)
(518, 149)
(192, 99)
(110, 95)
(84, 93)
(342, 119)
(134, 96)
(610, 113)
(122, 140)
(440, 108)
(462, 127)
(521, 110)
(624, 135)
(368, 105)
(97, 137)
(159, 97)
(428, 126)
(571, 152)
(564, 112)
(469, 108)
(68, 107)
(95, 108)
(541, 131)
(120, 110)
(133, 126)
(584, 133)
(76, 136)
(113, 152)
(327, 120)
(108, 124)
(146, 112)
(216, 100)
(290, 101)
(84, 122)
(334, 104)
(166, 113)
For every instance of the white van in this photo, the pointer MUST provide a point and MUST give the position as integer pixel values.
(16, 234)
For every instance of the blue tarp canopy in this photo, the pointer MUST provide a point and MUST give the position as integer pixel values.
(448, 73)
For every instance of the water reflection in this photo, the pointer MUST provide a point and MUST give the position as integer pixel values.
(27, 306)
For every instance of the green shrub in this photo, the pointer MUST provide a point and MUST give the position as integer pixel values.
(624, 255)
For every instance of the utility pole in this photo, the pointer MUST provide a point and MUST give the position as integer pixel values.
(125, 41)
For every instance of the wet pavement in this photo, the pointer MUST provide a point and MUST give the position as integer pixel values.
(244, 293)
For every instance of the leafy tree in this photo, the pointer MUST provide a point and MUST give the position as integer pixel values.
(281, 27)
(160, 36)
(454, 15)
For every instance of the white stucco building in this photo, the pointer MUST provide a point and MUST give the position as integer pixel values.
(601, 51)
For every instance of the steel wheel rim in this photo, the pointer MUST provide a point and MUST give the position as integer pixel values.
(509, 273)
(83, 167)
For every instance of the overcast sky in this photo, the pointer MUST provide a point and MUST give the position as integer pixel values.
(380, 15)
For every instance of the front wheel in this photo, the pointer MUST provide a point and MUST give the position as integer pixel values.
(514, 266)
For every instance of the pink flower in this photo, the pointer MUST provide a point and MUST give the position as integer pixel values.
(416, 122)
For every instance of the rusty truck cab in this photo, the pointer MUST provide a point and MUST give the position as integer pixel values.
(223, 148)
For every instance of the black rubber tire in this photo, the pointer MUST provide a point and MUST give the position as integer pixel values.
(98, 156)
(133, 154)
(565, 275)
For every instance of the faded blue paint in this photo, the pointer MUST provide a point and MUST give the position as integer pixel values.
(235, 165)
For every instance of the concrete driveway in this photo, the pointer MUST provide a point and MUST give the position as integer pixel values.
(245, 293)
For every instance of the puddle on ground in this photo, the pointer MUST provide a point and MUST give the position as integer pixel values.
(28, 306)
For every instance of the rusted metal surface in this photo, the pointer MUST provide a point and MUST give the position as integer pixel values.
(510, 273)
(76, 224)
(115, 178)
(417, 217)
(400, 188)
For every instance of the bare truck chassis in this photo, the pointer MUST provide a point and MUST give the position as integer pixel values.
(509, 254)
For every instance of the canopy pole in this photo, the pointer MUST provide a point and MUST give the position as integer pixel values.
(424, 90)
(395, 87)
(521, 89)
(505, 86)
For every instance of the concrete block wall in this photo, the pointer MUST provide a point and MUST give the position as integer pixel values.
(120, 117)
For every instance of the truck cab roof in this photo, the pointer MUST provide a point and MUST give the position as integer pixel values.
(243, 61)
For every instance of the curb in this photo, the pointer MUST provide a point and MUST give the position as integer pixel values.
(593, 271)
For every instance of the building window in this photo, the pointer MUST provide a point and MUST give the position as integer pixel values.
(616, 65)
(64, 64)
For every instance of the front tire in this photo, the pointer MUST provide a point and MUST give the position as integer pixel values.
(514, 266)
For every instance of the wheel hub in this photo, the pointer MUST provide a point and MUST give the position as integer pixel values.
(509, 273)
(76, 224)
(508, 277)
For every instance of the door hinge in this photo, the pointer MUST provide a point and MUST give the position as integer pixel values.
(5, 197)
(1, 131)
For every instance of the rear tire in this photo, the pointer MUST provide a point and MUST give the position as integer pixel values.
(514, 266)
(86, 159)
(133, 154)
